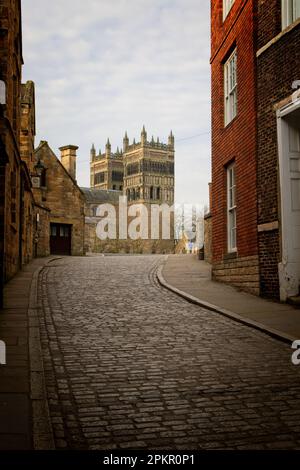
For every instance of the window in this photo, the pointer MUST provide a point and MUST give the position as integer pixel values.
(290, 12)
(231, 208)
(151, 192)
(64, 231)
(230, 86)
(2, 92)
(227, 4)
(43, 180)
(99, 178)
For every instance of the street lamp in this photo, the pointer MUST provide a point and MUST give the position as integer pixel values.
(39, 169)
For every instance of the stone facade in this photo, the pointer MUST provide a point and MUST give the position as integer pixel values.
(93, 244)
(59, 193)
(11, 165)
(208, 238)
(107, 169)
(144, 173)
(143, 170)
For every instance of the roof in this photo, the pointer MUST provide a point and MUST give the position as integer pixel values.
(44, 143)
(100, 196)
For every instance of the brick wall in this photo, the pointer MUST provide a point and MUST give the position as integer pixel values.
(237, 141)
(277, 67)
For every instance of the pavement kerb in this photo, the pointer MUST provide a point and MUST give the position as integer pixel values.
(279, 335)
(43, 438)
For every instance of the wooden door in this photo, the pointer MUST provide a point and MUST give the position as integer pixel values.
(60, 239)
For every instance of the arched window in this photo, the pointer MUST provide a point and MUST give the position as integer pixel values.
(121, 188)
(151, 192)
(128, 194)
(2, 92)
(133, 195)
(114, 187)
(158, 193)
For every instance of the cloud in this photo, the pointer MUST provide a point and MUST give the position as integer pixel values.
(103, 67)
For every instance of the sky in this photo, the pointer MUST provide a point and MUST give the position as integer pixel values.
(103, 67)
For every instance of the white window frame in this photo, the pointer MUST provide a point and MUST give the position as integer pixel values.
(227, 4)
(230, 88)
(231, 209)
(290, 12)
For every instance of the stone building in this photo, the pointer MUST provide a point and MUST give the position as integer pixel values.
(93, 198)
(56, 190)
(149, 170)
(256, 145)
(14, 176)
(144, 173)
(143, 170)
(107, 169)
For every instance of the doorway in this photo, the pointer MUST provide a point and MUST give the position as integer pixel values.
(289, 168)
(60, 239)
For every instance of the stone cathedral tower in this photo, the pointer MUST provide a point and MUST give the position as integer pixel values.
(149, 170)
(143, 171)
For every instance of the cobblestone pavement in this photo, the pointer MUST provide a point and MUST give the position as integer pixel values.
(130, 365)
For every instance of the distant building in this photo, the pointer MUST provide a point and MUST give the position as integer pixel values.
(256, 146)
(143, 170)
(107, 169)
(144, 173)
(93, 198)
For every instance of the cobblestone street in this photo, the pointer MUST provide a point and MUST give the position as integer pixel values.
(131, 365)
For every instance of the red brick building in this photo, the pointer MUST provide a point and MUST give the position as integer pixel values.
(234, 195)
(278, 147)
(256, 145)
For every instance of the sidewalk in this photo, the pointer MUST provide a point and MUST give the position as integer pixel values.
(23, 409)
(191, 278)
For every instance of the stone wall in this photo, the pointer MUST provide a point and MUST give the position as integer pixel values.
(62, 197)
(10, 161)
(242, 273)
(208, 238)
(96, 197)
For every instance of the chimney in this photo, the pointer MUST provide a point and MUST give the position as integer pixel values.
(68, 159)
